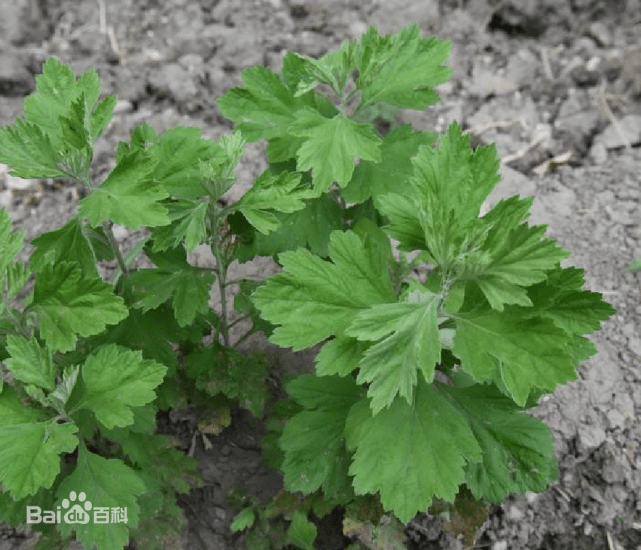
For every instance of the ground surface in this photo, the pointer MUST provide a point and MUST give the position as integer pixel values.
(544, 79)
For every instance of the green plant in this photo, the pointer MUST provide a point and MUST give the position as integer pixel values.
(420, 386)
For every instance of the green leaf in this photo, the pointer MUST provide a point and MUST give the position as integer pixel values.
(30, 446)
(243, 520)
(526, 354)
(340, 356)
(28, 151)
(107, 483)
(301, 532)
(72, 242)
(30, 363)
(561, 298)
(115, 380)
(128, 196)
(66, 303)
(518, 450)
(309, 227)
(264, 107)
(331, 147)
(178, 154)
(303, 73)
(188, 225)
(313, 440)
(313, 299)
(11, 243)
(409, 342)
(280, 193)
(188, 287)
(371, 179)
(401, 69)
(410, 453)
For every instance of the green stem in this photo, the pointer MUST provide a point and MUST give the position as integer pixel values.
(245, 336)
(114, 247)
(221, 274)
(239, 320)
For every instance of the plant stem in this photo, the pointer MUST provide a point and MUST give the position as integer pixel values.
(221, 273)
(114, 247)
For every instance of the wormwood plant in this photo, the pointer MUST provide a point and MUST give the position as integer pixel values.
(439, 327)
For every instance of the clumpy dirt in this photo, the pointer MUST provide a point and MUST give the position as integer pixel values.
(557, 85)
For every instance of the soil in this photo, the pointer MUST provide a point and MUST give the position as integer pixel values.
(556, 84)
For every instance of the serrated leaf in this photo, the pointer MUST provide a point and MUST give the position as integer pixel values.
(401, 69)
(69, 243)
(187, 225)
(313, 440)
(410, 453)
(243, 520)
(107, 483)
(188, 288)
(30, 446)
(28, 151)
(331, 147)
(309, 227)
(280, 193)
(264, 107)
(178, 154)
(128, 196)
(518, 449)
(561, 299)
(30, 363)
(340, 356)
(301, 531)
(409, 342)
(115, 380)
(11, 242)
(371, 179)
(526, 354)
(67, 304)
(313, 299)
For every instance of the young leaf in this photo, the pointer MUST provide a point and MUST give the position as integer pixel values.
(107, 483)
(331, 146)
(264, 107)
(187, 286)
(66, 303)
(178, 154)
(30, 446)
(243, 520)
(128, 196)
(313, 299)
(302, 73)
(28, 151)
(187, 225)
(115, 380)
(301, 532)
(410, 453)
(281, 193)
(401, 69)
(30, 363)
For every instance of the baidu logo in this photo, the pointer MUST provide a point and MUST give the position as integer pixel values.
(76, 510)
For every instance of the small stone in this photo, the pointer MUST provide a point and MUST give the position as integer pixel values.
(499, 545)
(591, 437)
(601, 33)
(599, 153)
(357, 29)
(629, 127)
